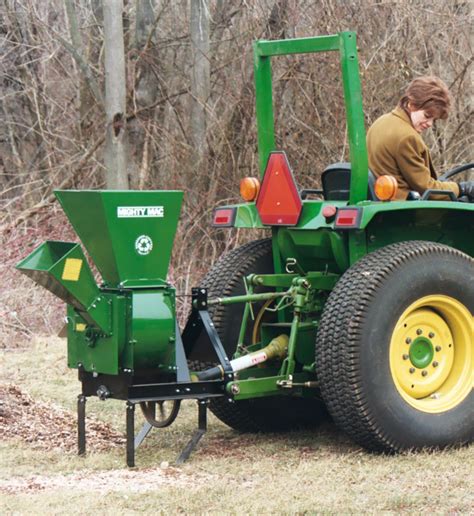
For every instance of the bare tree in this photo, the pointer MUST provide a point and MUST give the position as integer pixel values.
(200, 78)
(145, 91)
(184, 131)
(115, 96)
(89, 90)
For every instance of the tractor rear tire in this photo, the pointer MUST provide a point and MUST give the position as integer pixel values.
(270, 414)
(395, 349)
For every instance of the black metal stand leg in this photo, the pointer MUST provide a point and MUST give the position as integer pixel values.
(145, 430)
(81, 425)
(130, 424)
(202, 414)
(202, 427)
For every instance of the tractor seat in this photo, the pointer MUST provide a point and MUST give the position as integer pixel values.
(336, 182)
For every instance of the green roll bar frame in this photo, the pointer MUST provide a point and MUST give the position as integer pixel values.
(345, 43)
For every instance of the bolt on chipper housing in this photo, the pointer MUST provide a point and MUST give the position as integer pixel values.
(356, 305)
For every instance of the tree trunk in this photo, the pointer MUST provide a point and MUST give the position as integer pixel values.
(146, 87)
(200, 81)
(116, 141)
(145, 93)
(89, 91)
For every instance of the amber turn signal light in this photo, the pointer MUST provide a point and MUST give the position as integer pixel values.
(386, 188)
(249, 188)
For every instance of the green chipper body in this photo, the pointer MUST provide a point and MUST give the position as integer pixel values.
(129, 322)
(351, 305)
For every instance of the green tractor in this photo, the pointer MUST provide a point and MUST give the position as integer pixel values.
(355, 305)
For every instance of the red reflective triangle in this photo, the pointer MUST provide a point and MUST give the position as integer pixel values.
(279, 202)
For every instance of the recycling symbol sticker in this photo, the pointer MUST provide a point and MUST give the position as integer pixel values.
(143, 245)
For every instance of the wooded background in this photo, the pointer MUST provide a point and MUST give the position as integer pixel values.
(159, 94)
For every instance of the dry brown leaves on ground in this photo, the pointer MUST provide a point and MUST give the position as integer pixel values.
(47, 426)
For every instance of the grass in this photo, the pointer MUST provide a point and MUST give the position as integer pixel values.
(297, 472)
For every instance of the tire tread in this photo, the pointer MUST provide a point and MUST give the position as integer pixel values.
(337, 343)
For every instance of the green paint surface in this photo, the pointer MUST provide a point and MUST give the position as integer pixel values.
(421, 352)
(128, 234)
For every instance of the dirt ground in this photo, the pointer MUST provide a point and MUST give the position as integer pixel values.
(133, 481)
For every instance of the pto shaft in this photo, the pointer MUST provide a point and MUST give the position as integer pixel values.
(277, 349)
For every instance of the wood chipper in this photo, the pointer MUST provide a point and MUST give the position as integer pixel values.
(355, 305)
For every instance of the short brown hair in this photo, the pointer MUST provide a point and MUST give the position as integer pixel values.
(428, 93)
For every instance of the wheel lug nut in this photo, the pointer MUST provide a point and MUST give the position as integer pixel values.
(424, 373)
(431, 335)
(435, 364)
(412, 370)
(419, 331)
(438, 348)
(405, 357)
(408, 340)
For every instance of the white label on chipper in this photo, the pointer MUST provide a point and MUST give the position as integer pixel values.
(131, 212)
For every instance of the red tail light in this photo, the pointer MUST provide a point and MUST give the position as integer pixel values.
(348, 218)
(279, 202)
(224, 217)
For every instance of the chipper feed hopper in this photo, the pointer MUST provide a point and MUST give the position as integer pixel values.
(356, 304)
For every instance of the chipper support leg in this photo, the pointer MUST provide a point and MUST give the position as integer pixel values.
(202, 427)
(145, 430)
(81, 425)
(130, 426)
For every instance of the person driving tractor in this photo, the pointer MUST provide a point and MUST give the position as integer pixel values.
(395, 146)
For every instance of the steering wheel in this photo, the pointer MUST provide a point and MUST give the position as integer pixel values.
(454, 172)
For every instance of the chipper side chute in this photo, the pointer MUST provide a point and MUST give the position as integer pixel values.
(57, 266)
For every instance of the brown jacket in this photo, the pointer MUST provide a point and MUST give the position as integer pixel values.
(396, 149)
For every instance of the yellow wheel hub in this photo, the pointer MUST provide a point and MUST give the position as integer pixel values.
(432, 353)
